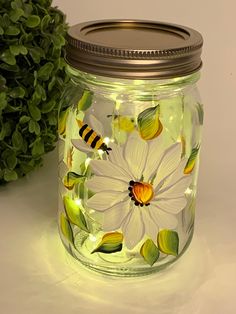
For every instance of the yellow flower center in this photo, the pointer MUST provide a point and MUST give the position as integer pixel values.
(141, 192)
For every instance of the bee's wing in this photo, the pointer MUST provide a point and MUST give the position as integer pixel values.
(80, 145)
(96, 125)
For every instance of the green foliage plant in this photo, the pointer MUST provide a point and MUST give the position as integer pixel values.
(32, 78)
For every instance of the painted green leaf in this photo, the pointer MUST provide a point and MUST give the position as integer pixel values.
(150, 252)
(111, 243)
(192, 160)
(74, 213)
(86, 100)
(71, 179)
(200, 113)
(66, 228)
(168, 242)
(62, 122)
(149, 124)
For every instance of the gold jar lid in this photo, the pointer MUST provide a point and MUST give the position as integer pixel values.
(134, 49)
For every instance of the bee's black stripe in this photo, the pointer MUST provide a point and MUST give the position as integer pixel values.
(103, 147)
(94, 142)
(87, 136)
(81, 131)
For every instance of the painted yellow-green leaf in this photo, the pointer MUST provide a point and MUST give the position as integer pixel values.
(86, 100)
(111, 243)
(200, 113)
(150, 252)
(62, 122)
(71, 179)
(168, 242)
(66, 228)
(149, 124)
(191, 161)
(74, 213)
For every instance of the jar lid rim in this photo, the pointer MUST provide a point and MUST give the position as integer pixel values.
(134, 49)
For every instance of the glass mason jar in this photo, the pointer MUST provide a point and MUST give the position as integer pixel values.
(130, 134)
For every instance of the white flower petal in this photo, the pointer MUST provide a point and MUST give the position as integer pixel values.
(136, 151)
(101, 201)
(82, 146)
(108, 169)
(175, 190)
(99, 184)
(154, 157)
(133, 228)
(96, 125)
(170, 205)
(169, 162)
(163, 219)
(117, 158)
(176, 175)
(114, 216)
(151, 228)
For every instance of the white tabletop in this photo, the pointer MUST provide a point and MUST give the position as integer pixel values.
(38, 276)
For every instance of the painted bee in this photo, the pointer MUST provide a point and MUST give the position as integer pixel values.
(91, 138)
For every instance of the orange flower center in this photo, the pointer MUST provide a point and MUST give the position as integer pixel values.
(141, 193)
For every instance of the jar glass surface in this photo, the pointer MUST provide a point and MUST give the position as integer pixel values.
(129, 155)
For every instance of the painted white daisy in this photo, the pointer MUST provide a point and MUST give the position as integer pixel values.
(139, 188)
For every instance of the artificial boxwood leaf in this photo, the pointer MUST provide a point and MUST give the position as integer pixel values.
(33, 21)
(149, 252)
(17, 140)
(3, 101)
(1, 31)
(38, 148)
(16, 14)
(71, 179)
(17, 92)
(10, 175)
(191, 160)
(18, 49)
(34, 112)
(168, 242)
(66, 228)
(45, 71)
(8, 57)
(48, 106)
(74, 213)
(111, 243)
(24, 119)
(11, 161)
(149, 123)
(12, 30)
(86, 100)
